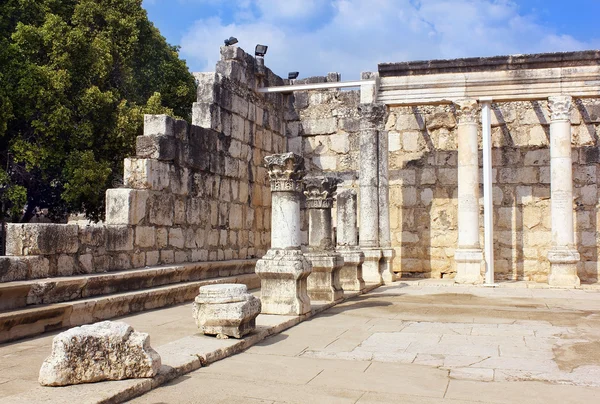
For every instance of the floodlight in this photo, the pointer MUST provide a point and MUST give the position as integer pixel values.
(293, 75)
(231, 41)
(260, 50)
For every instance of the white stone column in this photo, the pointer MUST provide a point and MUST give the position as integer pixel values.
(283, 270)
(563, 255)
(371, 117)
(468, 255)
(324, 281)
(347, 242)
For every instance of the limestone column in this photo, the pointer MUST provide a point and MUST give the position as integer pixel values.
(385, 241)
(371, 117)
(347, 242)
(324, 281)
(468, 255)
(563, 255)
(283, 270)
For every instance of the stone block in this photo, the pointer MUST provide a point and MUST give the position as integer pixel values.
(125, 206)
(156, 147)
(146, 174)
(66, 265)
(145, 236)
(322, 126)
(226, 310)
(92, 235)
(167, 256)
(158, 125)
(41, 239)
(23, 268)
(161, 210)
(119, 238)
(102, 351)
(176, 238)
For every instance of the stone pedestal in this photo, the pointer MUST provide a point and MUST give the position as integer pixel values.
(386, 265)
(226, 310)
(468, 255)
(283, 269)
(324, 281)
(469, 264)
(371, 270)
(351, 277)
(347, 242)
(563, 256)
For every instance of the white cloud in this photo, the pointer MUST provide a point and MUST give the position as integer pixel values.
(350, 36)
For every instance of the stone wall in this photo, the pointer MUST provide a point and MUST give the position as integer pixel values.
(423, 188)
(192, 192)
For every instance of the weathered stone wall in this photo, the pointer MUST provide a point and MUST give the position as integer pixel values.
(322, 126)
(192, 193)
(423, 187)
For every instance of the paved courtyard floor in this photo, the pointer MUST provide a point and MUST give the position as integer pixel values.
(411, 343)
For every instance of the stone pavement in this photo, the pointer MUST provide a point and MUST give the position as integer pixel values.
(414, 343)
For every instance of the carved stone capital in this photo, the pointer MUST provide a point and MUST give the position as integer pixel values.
(560, 107)
(372, 116)
(319, 191)
(285, 171)
(467, 111)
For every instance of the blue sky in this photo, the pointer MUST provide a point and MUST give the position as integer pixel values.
(350, 36)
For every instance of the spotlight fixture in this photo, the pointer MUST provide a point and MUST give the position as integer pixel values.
(293, 75)
(260, 50)
(231, 41)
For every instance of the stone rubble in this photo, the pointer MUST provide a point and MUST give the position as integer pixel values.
(226, 310)
(103, 351)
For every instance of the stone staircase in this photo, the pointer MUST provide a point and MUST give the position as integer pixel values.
(32, 307)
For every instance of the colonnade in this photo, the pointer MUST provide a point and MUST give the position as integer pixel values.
(563, 255)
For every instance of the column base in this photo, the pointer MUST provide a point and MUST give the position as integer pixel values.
(563, 267)
(351, 277)
(386, 265)
(469, 263)
(324, 280)
(371, 269)
(283, 286)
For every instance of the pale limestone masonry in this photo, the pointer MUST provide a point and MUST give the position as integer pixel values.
(226, 310)
(103, 351)
(284, 269)
(324, 281)
(347, 242)
(192, 193)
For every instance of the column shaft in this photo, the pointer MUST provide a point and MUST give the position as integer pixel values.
(468, 256)
(563, 255)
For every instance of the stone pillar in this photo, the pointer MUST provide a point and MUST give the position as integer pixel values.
(563, 255)
(347, 242)
(371, 117)
(283, 270)
(468, 255)
(385, 241)
(324, 281)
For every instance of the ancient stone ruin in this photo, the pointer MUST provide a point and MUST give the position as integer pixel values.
(103, 351)
(231, 197)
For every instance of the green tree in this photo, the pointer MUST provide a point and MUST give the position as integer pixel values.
(76, 77)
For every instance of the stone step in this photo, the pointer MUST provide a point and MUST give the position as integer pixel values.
(34, 320)
(20, 294)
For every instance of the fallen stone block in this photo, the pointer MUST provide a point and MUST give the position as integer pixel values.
(226, 310)
(103, 351)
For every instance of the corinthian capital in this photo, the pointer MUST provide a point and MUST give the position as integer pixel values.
(467, 110)
(560, 107)
(320, 190)
(285, 171)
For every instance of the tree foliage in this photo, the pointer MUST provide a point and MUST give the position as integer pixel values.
(76, 77)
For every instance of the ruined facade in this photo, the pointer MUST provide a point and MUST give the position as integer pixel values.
(196, 205)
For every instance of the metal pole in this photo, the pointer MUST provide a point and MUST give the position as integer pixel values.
(488, 217)
(315, 86)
